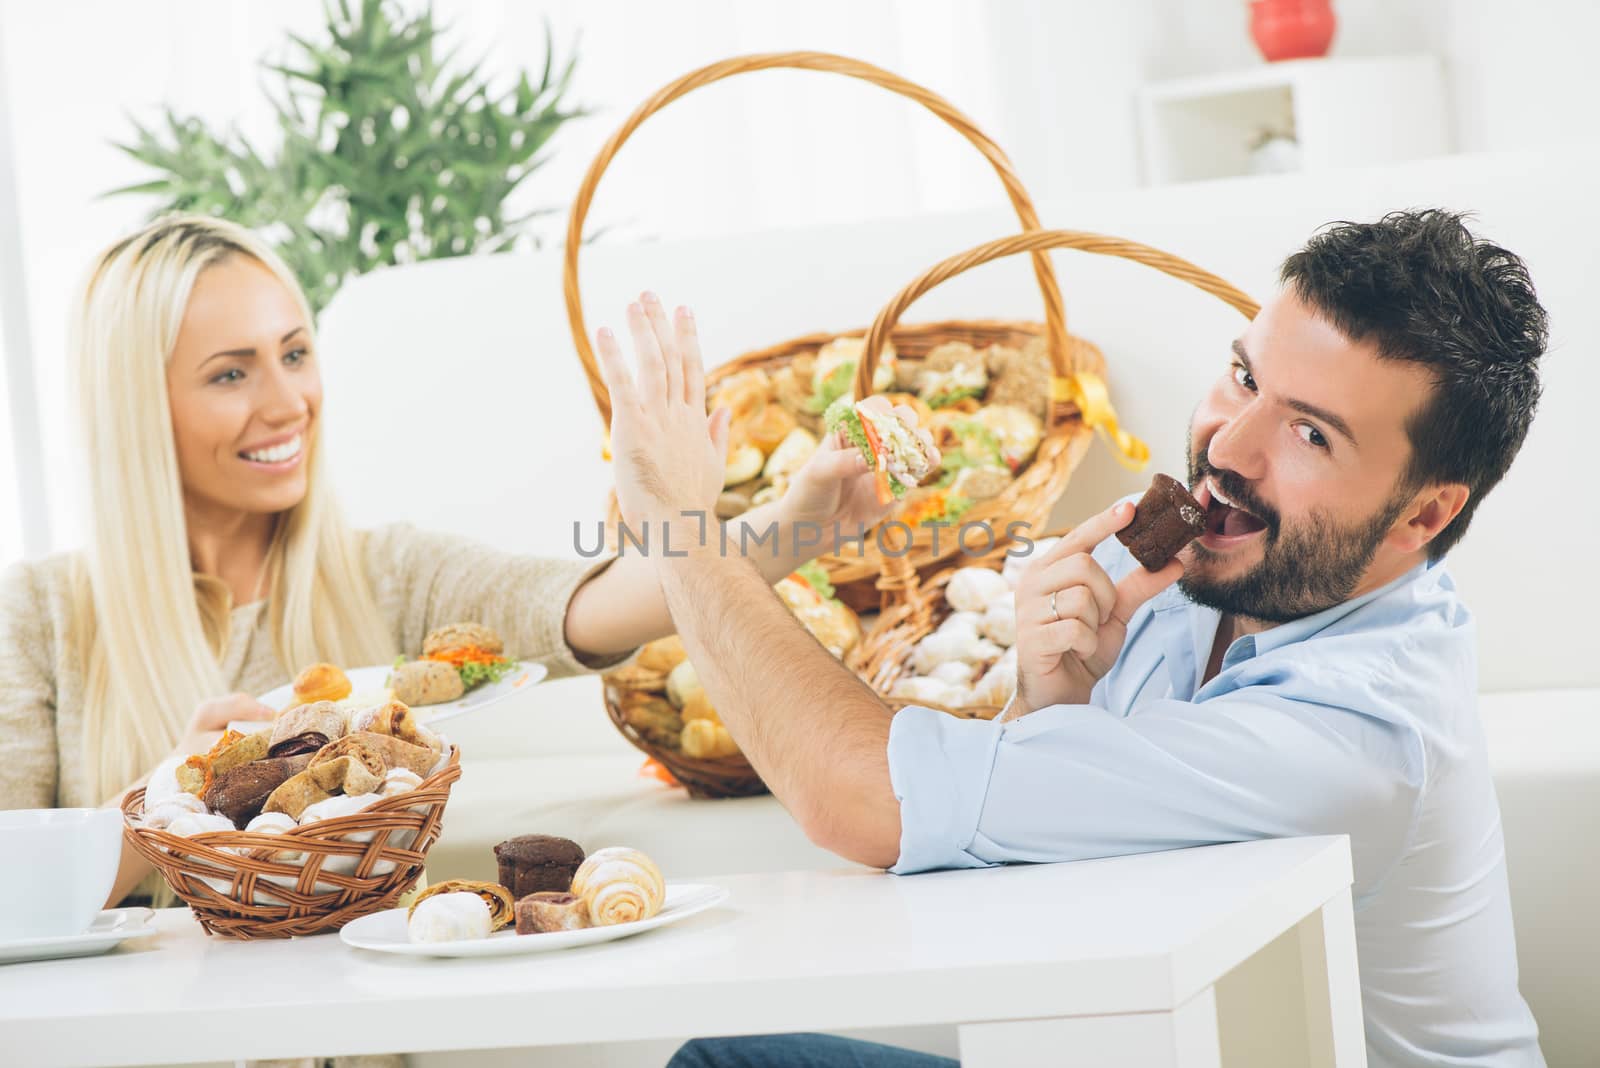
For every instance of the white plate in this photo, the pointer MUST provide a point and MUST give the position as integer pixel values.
(386, 931)
(109, 928)
(367, 689)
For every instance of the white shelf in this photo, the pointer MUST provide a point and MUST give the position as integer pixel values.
(1340, 112)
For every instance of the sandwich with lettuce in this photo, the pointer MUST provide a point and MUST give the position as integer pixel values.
(899, 456)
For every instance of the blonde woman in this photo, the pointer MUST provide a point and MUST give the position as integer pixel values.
(217, 560)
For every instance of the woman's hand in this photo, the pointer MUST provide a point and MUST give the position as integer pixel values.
(836, 486)
(212, 717)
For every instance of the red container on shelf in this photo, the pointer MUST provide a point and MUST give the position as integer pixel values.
(1292, 29)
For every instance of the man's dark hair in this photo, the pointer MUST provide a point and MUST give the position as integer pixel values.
(1422, 288)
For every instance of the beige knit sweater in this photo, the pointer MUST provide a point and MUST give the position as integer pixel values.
(421, 580)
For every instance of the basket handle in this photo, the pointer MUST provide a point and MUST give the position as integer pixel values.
(1055, 313)
(1084, 390)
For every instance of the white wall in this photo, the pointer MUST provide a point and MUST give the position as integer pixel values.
(1052, 80)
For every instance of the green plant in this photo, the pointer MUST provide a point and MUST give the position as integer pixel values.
(388, 155)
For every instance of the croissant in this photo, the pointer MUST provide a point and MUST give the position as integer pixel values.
(501, 910)
(620, 886)
(321, 682)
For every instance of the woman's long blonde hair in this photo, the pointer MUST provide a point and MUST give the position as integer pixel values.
(150, 632)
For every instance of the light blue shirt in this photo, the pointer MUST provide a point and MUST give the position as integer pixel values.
(1359, 720)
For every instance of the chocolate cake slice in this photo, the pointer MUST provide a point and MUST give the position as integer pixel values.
(1164, 521)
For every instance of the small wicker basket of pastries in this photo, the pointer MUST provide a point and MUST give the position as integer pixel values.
(657, 703)
(324, 816)
(1014, 403)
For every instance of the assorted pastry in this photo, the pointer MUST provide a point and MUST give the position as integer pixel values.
(660, 695)
(455, 660)
(1166, 519)
(985, 408)
(971, 659)
(314, 762)
(546, 884)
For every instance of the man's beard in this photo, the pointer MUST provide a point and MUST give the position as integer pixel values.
(1305, 567)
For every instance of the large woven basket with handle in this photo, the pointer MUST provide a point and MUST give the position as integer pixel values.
(1077, 366)
(913, 603)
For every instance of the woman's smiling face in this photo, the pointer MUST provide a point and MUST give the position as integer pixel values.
(244, 392)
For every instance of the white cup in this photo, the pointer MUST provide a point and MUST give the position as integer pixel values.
(59, 865)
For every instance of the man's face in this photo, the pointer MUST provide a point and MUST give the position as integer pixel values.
(1304, 436)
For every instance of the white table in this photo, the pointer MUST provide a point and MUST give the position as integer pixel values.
(1102, 963)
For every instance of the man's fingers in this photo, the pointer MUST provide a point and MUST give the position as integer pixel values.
(652, 365)
(1069, 636)
(1079, 572)
(1139, 585)
(1076, 602)
(1092, 531)
(694, 370)
(614, 370)
(666, 343)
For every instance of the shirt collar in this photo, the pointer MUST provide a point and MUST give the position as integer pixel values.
(1250, 645)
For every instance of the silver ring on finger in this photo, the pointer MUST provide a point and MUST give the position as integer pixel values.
(1053, 610)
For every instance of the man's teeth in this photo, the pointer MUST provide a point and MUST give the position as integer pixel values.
(1216, 495)
(277, 454)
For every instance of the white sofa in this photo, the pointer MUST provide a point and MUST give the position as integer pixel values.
(477, 351)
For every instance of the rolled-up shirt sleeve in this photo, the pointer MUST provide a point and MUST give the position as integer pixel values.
(1073, 782)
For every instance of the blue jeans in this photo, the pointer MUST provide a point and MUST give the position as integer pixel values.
(799, 1051)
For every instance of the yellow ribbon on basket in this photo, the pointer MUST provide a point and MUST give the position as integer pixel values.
(1088, 392)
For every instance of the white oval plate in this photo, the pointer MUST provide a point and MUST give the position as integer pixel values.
(385, 932)
(367, 689)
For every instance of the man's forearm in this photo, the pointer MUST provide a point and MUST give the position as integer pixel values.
(816, 734)
(624, 607)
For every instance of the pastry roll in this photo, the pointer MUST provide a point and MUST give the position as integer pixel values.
(448, 918)
(306, 729)
(352, 774)
(397, 721)
(494, 896)
(426, 682)
(954, 673)
(295, 794)
(320, 682)
(964, 623)
(682, 682)
(620, 886)
(971, 589)
(551, 910)
(662, 655)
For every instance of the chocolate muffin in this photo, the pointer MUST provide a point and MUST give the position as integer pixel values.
(1164, 521)
(531, 863)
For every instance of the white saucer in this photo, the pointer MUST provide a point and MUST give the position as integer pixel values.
(385, 932)
(109, 928)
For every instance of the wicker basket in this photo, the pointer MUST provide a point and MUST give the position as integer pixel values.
(705, 778)
(353, 865)
(1029, 497)
(912, 604)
